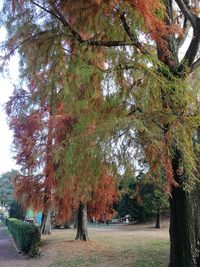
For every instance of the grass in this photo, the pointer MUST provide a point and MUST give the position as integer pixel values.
(79, 261)
(153, 254)
(130, 246)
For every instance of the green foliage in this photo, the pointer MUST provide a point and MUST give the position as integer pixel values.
(141, 205)
(25, 234)
(16, 210)
(121, 97)
(7, 187)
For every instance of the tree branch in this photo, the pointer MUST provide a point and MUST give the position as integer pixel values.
(195, 65)
(130, 34)
(114, 43)
(193, 48)
(181, 39)
(187, 12)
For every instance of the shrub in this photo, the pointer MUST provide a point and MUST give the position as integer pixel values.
(26, 235)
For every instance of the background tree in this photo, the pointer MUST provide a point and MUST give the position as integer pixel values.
(16, 210)
(142, 201)
(7, 187)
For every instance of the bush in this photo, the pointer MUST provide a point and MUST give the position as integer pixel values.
(26, 235)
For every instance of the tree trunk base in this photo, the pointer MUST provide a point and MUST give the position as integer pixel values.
(82, 233)
(185, 228)
(45, 228)
(158, 219)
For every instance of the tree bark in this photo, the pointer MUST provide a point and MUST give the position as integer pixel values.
(184, 224)
(82, 233)
(46, 223)
(184, 228)
(158, 219)
(75, 219)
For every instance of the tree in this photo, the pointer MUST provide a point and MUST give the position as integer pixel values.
(150, 103)
(7, 187)
(16, 210)
(141, 201)
(7, 197)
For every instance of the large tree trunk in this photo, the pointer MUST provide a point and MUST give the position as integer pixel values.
(82, 233)
(184, 228)
(158, 219)
(184, 224)
(45, 228)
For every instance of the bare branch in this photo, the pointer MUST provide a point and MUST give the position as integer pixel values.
(187, 12)
(193, 48)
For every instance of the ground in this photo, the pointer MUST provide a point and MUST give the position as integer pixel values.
(109, 246)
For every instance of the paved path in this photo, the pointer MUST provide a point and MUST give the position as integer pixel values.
(8, 255)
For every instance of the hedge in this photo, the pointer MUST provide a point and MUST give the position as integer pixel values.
(26, 235)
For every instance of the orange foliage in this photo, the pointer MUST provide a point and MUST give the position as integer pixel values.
(103, 198)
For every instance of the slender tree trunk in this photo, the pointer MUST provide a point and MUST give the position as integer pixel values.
(75, 219)
(82, 233)
(46, 223)
(158, 218)
(184, 225)
(45, 228)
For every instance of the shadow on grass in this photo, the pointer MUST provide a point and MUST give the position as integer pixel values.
(155, 254)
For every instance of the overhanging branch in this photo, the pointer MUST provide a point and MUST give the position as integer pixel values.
(91, 42)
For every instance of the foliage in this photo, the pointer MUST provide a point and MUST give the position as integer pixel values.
(16, 210)
(114, 68)
(142, 202)
(26, 235)
(7, 187)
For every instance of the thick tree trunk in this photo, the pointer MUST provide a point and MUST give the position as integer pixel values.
(45, 228)
(184, 225)
(158, 219)
(82, 233)
(184, 228)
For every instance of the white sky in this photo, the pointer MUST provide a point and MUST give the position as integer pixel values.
(6, 88)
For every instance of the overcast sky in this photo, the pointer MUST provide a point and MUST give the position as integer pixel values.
(6, 87)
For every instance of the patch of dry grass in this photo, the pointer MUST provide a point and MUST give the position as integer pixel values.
(126, 245)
